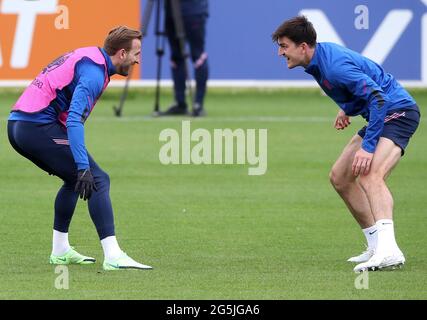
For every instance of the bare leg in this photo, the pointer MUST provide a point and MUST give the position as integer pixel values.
(348, 187)
(387, 253)
(386, 156)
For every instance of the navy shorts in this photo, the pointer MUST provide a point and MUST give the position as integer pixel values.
(399, 126)
(47, 146)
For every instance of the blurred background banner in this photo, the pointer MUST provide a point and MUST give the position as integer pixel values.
(393, 33)
(33, 33)
(240, 47)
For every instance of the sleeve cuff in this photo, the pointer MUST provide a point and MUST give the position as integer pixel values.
(82, 166)
(368, 148)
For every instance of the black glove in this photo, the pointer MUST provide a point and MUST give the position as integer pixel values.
(85, 184)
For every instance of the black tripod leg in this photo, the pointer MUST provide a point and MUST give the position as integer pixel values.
(144, 25)
(160, 51)
(158, 79)
(118, 110)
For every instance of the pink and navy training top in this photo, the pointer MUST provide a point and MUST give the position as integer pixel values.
(66, 91)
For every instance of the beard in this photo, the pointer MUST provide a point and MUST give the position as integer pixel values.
(123, 70)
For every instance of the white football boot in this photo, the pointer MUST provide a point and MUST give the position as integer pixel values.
(380, 261)
(363, 257)
(124, 262)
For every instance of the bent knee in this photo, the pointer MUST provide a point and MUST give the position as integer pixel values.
(339, 180)
(104, 177)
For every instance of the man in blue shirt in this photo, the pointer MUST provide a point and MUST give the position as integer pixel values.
(46, 126)
(360, 87)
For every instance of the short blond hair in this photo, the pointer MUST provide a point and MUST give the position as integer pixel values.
(120, 38)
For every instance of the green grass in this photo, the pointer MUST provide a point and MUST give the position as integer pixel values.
(283, 235)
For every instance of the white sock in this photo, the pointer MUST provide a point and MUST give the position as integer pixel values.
(386, 242)
(371, 234)
(111, 248)
(60, 244)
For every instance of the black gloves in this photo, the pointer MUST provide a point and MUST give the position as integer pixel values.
(85, 184)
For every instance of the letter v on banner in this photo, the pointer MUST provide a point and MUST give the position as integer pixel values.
(382, 42)
(387, 35)
(324, 28)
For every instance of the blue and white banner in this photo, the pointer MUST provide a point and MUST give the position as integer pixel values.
(239, 45)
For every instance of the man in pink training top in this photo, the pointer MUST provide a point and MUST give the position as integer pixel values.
(46, 126)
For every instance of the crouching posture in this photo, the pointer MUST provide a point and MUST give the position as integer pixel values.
(46, 126)
(360, 87)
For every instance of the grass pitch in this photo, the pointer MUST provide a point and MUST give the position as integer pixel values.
(213, 232)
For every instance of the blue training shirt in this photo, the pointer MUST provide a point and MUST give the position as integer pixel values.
(359, 86)
(87, 83)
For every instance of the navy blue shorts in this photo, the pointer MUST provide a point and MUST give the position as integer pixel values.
(399, 126)
(47, 146)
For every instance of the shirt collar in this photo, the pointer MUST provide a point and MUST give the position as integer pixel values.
(110, 67)
(314, 63)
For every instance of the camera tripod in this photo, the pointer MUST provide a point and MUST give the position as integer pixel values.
(160, 33)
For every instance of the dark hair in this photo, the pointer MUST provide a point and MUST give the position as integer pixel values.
(120, 38)
(297, 29)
